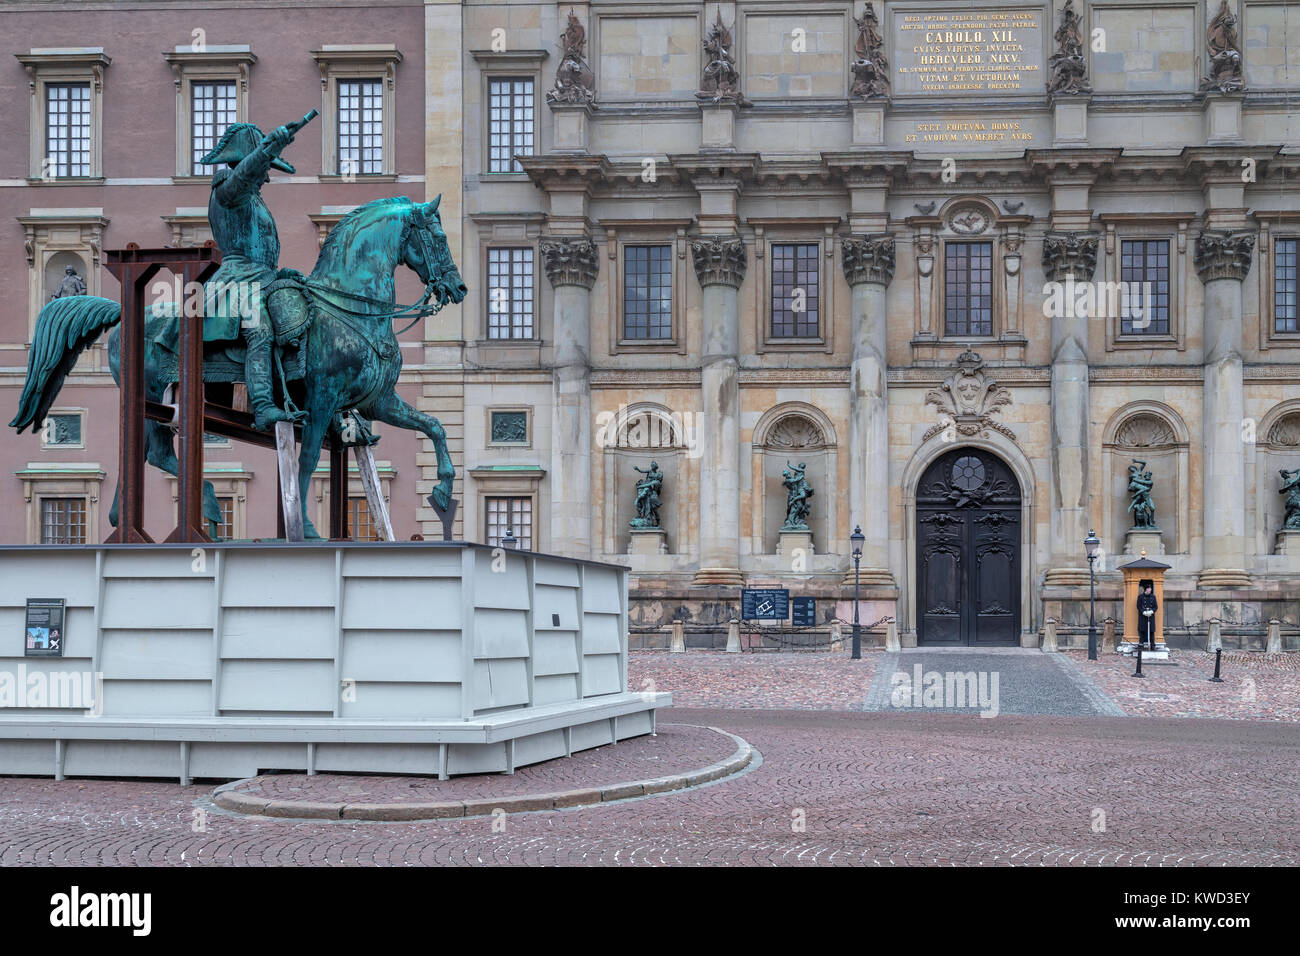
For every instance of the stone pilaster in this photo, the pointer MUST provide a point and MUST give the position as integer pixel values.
(1222, 262)
(1068, 258)
(868, 267)
(571, 265)
(720, 263)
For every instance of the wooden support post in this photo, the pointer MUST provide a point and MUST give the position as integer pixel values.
(338, 492)
(131, 450)
(374, 492)
(286, 450)
(190, 524)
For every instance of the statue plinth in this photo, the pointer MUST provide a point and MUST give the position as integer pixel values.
(1143, 541)
(1287, 543)
(792, 541)
(869, 122)
(648, 541)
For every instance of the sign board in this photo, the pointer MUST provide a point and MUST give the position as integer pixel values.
(43, 631)
(764, 604)
(803, 611)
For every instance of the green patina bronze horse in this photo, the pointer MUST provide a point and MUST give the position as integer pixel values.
(347, 359)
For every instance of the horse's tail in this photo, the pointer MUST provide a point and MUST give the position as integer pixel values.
(63, 330)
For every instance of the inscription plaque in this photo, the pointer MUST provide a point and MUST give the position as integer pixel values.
(963, 51)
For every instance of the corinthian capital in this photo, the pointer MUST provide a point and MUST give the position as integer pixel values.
(1222, 255)
(570, 260)
(719, 260)
(868, 259)
(1069, 253)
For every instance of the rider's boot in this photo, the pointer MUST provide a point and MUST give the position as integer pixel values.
(257, 378)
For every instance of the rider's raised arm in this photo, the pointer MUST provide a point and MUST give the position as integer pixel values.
(246, 178)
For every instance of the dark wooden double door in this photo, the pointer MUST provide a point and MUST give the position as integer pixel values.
(968, 551)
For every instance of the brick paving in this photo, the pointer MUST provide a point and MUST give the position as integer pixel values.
(676, 749)
(798, 681)
(1255, 686)
(832, 788)
(832, 784)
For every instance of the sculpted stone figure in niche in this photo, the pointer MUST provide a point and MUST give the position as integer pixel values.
(869, 66)
(574, 81)
(1139, 487)
(647, 497)
(721, 78)
(70, 284)
(798, 500)
(1291, 491)
(1224, 49)
(1068, 69)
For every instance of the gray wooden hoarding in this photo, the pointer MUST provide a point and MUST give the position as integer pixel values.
(382, 657)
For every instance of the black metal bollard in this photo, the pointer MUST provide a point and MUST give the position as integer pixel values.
(1138, 672)
(1218, 658)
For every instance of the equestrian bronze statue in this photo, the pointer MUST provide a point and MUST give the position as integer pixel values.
(322, 342)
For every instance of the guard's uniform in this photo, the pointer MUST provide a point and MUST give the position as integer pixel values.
(1147, 625)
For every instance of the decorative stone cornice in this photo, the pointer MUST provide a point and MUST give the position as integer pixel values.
(868, 259)
(570, 260)
(1222, 255)
(1070, 253)
(719, 260)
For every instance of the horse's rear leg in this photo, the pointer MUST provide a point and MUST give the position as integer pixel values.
(392, 410)
(161, 453)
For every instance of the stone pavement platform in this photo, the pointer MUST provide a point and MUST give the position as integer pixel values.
(988, 682)
(679, 756)
(1255, 686)
(832, 788)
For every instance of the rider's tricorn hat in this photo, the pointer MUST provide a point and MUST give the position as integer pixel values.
(237, 142)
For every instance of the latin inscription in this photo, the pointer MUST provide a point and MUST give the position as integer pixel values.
(967, 51)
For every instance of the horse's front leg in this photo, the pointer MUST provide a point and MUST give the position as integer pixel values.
(393, 411)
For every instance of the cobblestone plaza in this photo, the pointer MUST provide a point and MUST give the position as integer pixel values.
(964, 332)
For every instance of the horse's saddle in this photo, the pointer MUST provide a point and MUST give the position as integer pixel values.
(290, 312)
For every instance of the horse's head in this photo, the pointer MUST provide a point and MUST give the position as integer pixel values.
(424, 249)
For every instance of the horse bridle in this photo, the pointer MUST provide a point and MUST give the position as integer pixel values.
(418, 310)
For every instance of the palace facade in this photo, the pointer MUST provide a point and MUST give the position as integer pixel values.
(978, 268)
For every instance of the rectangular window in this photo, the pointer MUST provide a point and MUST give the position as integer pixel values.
(510, 514)
(648, 292)
(226, 527)
(212, 109)
(67, 129)
(510, 123)
(1144, 270)
(968, 288)
(1285, 318)
(795, 289)
(360, 523)
(63, 521)
(510, 293)
(361, 127)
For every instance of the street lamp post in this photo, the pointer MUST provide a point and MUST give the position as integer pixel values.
(1091, 543)
(856, 538)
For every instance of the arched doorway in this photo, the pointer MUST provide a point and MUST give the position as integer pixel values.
(968, 551)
